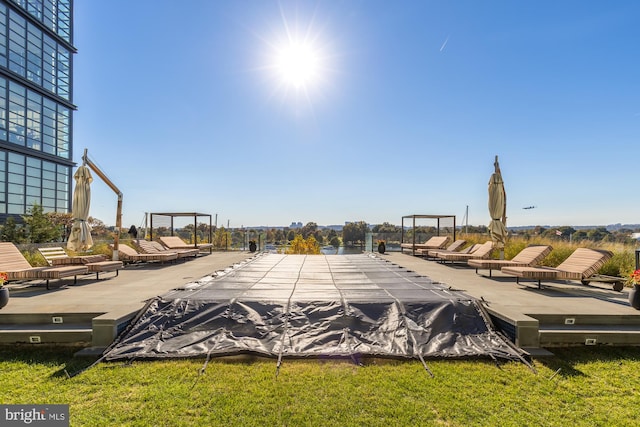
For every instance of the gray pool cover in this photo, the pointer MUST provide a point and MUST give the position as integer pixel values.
(313, 306)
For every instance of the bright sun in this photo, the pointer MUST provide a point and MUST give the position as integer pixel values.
(298, 64)
(299, 60)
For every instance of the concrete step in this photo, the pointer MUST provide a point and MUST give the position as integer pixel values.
(561, 335)
(587, 319)
(46, 318)
(45, 333)
(98, 329)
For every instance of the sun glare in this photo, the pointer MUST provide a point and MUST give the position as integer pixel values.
(298, 64)
(299, 60)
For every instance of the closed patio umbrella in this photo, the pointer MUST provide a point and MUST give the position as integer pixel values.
(80, 238)
(497, 209)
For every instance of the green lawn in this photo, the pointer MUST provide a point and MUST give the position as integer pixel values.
(583, 386)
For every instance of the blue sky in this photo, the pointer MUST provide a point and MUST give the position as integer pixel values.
(182, 106)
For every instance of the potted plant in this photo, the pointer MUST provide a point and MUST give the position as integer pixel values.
(381, 246)
(4, 292)
(634, 293)
(252, 246)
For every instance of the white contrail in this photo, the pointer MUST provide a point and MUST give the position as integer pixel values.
(444, 44)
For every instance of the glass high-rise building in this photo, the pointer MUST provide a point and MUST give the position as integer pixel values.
(36, 105)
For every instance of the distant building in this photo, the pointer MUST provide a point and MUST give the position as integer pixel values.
(36, 105)
(296, 225)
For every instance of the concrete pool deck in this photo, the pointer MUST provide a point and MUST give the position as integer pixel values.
(94, 311)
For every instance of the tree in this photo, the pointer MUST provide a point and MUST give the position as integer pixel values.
(552, 233)
(99, 230)
(64, 221)
(39, 228)
(271, 235)
(197, 235)
(279, 236)
(354, 232)
(12, 232)
(237, 238)
(597, 234)
(162, 231)
(309, 229)
(579, 236)
(385, 227)
(304, 247)
(221, 238)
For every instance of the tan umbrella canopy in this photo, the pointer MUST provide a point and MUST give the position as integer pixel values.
(497, 209)
(80, 238)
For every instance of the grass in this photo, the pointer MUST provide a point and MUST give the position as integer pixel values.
(583, 386)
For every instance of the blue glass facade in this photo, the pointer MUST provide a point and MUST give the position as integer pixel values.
(36, 63)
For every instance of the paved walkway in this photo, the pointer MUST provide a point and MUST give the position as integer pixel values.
(137, 283)
(502, 291)
(129, 290)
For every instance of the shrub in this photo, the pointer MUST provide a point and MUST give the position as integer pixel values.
(35, 258)
(301, 246)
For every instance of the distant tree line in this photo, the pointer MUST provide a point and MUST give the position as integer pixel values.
(598, 234)
(40, 227)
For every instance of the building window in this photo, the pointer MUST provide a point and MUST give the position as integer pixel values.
(29, 181)
(3, 182)
(36, 56)
(54, 14)
(15, 184)
(3, 109)
(34, 121)
(17, 43)
(17, 112)
(4, 37)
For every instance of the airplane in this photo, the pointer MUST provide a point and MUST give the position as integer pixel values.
(529, 207)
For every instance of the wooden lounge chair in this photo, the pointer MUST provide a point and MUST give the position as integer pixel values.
(528, 257)
(453, 247)
(435, 242)
(481, 252)
(151, 247)
(580, 265)
(433, 253)
(131, 255)
(175, 242)
(57, 256)
(17, 267)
